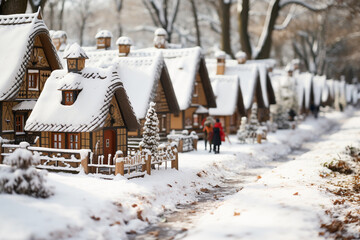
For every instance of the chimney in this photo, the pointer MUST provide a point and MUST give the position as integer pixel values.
(241, 57)
(103, 39)
(160, 38)
(75, 57)
(124, 44)
(59, 39)
(220, 59)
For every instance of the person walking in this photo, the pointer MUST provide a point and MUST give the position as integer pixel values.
(218, 136)
(208, 129)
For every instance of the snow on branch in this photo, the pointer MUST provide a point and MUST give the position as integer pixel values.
(143, 28)
(287, 20)
(283, 3)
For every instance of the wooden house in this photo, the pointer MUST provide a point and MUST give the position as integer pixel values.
(191, 83)
(327, 98)
(229, 101)
(26, 61)
(83, 108)
(250, 82)
(145, 78)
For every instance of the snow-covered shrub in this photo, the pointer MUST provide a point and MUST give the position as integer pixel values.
(241, 133)
(151, 136)
(21, 176)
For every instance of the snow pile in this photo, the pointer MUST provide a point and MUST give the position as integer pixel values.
(22, 177)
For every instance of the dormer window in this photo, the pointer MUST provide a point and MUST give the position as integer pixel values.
(75, 64)
(33, 80)
(69, 97)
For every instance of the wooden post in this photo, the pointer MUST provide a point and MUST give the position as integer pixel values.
(195, 141)
(148, 164)
(84, 164)
(258, 138)
(175, 163)
(180, 147)
(119, 166)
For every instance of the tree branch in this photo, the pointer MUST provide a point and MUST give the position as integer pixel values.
(284, 3)
(287, 20)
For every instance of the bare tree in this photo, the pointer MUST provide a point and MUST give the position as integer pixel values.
(119, 6)
(61, 14)
(163, 13)
(85, 11)
(12, 7)
(196, 22)
(265, 41)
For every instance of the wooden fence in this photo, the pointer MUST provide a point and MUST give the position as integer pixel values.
(68, 160)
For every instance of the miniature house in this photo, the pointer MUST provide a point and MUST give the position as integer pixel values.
(103, 39)
(229, 101)
(191, 84)
(24, 70)
(88, 109)
(252, 84)
(149, 72)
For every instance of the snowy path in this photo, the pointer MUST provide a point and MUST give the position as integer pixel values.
(184, 222)
(87, 207)
(288, 202)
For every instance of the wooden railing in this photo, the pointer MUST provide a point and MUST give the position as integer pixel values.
(69, 160)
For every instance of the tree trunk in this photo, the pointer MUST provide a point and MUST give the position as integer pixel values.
(61, 15)
(51, 5)
(13, 7)
(196, 22)
(225, 27)
(243, 21)
(266, 35)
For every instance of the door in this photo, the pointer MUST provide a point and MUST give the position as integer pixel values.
(109, 144)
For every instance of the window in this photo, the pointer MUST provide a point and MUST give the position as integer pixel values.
(196, 120)
(71, 64)
(19, 123)
(58, 140)
(69, 98)
(33, 80)
(196, 89)
(73, 140)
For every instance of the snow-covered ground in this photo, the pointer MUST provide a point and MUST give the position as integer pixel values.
(283, 203)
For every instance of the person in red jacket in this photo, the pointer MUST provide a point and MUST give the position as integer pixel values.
(218, 136)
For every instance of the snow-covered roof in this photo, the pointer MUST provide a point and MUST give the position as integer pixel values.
(89, 111)
(138, 71)
(24, 105)
(248, 75)
(304, 84)
(17, 34)
(269, 62)
(183, 65)
(351, 93)
(124, 41)
(75, 51)
(226, 89)
(319, 88)
(103, 34)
